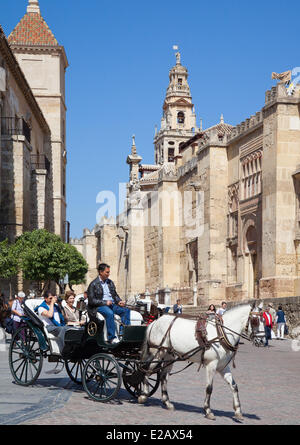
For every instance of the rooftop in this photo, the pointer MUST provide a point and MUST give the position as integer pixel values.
(32, 29)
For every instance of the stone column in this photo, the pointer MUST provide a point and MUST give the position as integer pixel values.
(213, 174)
(280, 157)
(136, 250)
(170, 212)
(38, 213)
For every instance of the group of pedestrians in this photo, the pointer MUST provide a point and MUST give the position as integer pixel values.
(211, 312)
(272, 318)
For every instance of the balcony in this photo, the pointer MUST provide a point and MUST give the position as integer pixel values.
(12, 126)
(40, 162)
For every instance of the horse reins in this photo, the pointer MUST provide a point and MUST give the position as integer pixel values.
(222, 338)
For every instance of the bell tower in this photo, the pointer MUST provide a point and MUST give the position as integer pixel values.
(178, 122)
(44, 64)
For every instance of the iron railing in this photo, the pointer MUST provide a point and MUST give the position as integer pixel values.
(11, 126)
(40, 162)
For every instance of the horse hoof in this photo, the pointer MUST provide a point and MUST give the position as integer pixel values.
(142, 399)
(238, 416)
(170, 406)
(210, 416)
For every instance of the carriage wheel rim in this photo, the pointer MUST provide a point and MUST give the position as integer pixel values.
(102, 377)
(25, 357)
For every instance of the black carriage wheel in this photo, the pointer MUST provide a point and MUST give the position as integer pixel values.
(75, 370)
(133, 380)
(101, 377)
(25, 356)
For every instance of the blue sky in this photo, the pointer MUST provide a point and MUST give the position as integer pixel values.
(120, 53)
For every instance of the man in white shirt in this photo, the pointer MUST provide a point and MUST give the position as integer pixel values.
(222, 309)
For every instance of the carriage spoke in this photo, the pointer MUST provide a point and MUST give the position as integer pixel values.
(25, 358)
(133, 379)
(24, 364)
(96, 390)
(101, 377)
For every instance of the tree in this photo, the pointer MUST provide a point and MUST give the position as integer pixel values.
(44, 257)
(9, 265)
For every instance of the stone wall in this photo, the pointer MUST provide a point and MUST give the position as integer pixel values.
(290, 306)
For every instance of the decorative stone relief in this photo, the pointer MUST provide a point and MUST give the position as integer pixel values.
(233, 197)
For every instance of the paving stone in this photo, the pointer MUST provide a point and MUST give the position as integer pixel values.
(267, 378)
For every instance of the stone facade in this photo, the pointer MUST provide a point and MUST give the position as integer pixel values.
(32, 148)
(219, 219)
(44, 64)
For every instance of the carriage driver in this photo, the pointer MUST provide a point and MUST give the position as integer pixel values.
(103, 298)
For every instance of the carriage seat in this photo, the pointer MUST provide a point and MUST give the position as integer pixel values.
(55, 343)
(136, 319)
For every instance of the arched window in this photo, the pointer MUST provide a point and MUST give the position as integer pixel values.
(180, 117)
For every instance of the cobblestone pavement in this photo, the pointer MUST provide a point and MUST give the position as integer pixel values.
(268, 381)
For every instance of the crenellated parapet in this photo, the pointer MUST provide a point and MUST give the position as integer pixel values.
(248, 124)
(76, 241)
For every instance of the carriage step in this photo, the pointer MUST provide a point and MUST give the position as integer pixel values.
(54, 358)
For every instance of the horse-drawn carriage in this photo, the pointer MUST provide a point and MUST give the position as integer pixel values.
(87, 356)
(142, 360)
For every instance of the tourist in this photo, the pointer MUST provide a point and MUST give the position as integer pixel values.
(52, 316)
(267, 319)
(17, 311)
(211, 312)
(272, 312)
(72, 314)
(222, 309)
(280, 322)
(177, 308)
(85, 296)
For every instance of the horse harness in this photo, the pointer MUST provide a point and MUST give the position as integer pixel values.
(204, 343)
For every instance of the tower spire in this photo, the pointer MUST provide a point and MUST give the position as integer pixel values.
(33, 6)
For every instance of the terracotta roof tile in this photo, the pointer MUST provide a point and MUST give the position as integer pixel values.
(221, 128)
(32, 30)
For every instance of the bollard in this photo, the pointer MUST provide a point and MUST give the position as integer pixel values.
(195, 296)
(167, 301)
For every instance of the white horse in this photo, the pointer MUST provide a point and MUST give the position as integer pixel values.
(167, 339)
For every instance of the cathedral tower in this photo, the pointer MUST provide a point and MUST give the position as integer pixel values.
(178, 123)
(44, 63)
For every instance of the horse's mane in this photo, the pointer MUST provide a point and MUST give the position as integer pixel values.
(236, 307)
